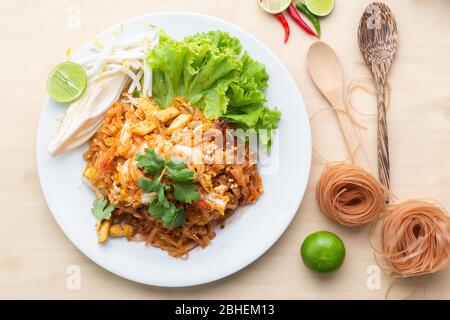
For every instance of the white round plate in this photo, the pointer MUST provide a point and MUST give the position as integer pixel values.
(249, 233)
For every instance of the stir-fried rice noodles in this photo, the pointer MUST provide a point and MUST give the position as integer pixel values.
(135, 124)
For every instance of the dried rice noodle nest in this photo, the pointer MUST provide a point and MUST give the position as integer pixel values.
(350, 195)
(415, 238)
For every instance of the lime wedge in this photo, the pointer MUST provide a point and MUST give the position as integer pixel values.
(320, 8)
(66, 82)
(274, 6)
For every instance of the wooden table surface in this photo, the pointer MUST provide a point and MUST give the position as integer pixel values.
(36, 258)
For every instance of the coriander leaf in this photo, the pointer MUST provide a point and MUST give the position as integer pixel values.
(183, 175)
(101, 209)
(169, 215)
(179, 219)
(161, 197)
(154, 186)
(173, 217)
(150, 162)
(176, 163)
(185, 192)
(178, 171)
(180, 177)
(148, 186)
(155, 210)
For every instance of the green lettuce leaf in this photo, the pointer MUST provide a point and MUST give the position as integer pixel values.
(210, 71)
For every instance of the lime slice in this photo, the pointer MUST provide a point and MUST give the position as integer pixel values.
(274, 6)
(320, 8)
(66, 82)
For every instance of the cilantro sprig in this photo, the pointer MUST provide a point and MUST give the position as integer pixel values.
(168, 176)
(102, 209)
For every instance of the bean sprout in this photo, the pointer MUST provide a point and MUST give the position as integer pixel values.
(127, 57)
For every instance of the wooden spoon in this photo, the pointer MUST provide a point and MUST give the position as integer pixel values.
(326, 72)
(378, 40)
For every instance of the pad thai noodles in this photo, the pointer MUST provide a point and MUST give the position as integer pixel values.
(162, 185)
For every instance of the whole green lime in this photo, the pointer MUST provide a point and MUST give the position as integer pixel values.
(323, 251)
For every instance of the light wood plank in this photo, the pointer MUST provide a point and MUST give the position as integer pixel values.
(35, 254)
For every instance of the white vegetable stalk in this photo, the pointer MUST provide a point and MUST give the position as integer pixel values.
(85, 116)
(136, 85)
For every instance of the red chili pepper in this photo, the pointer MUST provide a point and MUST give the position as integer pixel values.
(298, 19)
(285, 25)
